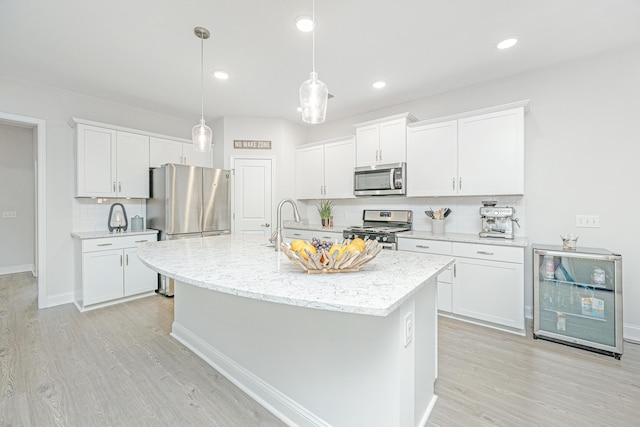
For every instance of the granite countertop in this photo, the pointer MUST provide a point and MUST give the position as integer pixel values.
(247, 267)
(82, 235)
(520, 242)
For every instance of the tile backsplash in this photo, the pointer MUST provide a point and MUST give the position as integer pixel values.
(92, 214)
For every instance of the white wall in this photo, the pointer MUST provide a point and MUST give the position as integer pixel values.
(17, 194)
(581, 155)
(57, 107)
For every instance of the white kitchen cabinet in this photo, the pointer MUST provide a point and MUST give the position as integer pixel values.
(432, 166)
(111, 163)
(471, 154)
(485, 285)
(290, 234)
(162, 151)
(109, 271)
(382, 141)
(325, 170)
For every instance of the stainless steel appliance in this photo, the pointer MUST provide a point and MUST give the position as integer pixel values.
(380, 180)
(498, 221)
(577, 297)
(185, 202)
(381, 226)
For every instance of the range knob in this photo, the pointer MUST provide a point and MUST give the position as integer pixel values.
(385, 238)
(378, 238)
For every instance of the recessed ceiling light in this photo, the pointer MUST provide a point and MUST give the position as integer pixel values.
(220, 74)
(379, 84)
(304, 23)
(506, 44)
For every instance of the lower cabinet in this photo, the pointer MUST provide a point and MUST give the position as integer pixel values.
(486, 284)
(290, 234)
(110, 271)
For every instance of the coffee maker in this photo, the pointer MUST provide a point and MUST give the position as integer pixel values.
(497, 221)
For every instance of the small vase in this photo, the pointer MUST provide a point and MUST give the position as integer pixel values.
(325, 222)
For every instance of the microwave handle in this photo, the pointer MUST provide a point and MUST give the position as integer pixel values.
(392, 178)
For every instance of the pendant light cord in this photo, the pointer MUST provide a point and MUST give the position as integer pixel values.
(313, 36)
(202, 76)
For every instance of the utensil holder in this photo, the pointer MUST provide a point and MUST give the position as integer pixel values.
(437, 226)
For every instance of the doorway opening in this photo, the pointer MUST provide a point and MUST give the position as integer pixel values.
(31, 254)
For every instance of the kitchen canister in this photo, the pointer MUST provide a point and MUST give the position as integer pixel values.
(137, 223)
(437, 226)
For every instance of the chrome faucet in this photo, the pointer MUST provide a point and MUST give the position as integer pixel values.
(276, 237)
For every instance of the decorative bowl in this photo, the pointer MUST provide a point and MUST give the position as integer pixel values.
(336, 262)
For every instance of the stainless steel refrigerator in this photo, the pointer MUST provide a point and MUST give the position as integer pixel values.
(187, 202)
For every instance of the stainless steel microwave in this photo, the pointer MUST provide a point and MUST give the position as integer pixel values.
(380, 180)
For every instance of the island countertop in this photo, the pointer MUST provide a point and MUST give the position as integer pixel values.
(245, 266)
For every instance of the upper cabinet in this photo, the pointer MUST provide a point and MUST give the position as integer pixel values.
(382, 141)
(472, 154)
(325, 170)
(111, 163)
(162, 151)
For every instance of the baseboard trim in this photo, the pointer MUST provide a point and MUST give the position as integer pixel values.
(59, 299)
(12, 269)
(282, 406)
(631, 333)
(425, 417)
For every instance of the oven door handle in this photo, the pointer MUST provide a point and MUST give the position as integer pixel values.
(392, 181)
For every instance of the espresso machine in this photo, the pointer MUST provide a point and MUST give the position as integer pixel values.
(497, 221)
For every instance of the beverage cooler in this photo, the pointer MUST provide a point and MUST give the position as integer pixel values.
(578, 298)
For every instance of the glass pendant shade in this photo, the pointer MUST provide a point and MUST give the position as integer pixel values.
(201, 135)
(314, 95)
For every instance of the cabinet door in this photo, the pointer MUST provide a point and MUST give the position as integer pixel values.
(196, 158)
(367, 145)
(339, 162)
(491, 153)
(162, 151)
(133, 165)
(489, 290)
(138, 277)
(96, 162)
(444, 296)
(310, 172)
(102, 276)
(432, 160)
(393, 141)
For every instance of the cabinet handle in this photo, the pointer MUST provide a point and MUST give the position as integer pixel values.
(380, 155)
(127, 259)
(460, 184)
(296, 234)
(453, 183)
(105, 244)
(119, 187)
(141, 241)
(422, 246)
(120, 260)
(484, 253)
(326, 237)
(325, 190)
(114, 186)
(455, 271)
(376, 155)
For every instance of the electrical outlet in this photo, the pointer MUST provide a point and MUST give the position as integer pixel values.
(408, 329)
(8, 214)
(588, 221)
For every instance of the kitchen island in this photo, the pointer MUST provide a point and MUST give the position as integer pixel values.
(326, 349)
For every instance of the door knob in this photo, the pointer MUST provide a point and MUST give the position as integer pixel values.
(265, 225)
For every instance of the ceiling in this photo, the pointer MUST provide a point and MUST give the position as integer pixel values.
(144, 53)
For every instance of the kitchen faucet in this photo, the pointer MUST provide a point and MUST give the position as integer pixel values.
(276, 237)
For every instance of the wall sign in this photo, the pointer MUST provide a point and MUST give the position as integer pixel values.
(251, 144)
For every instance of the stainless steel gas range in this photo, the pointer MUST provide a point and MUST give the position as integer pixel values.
(381, 226)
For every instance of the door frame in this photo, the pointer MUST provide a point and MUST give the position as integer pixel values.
(40, 263)
(232, 162)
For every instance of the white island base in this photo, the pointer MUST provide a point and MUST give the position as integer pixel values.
(315, 367)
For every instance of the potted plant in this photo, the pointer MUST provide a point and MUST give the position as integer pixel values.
(325, 209)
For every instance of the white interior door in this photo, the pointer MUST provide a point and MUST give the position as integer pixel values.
(252, 196)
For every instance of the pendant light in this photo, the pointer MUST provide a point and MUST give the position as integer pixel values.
(201, 134)
(314, 94)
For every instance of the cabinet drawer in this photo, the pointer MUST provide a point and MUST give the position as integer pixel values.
(105, 243)
(489, 252)
(425, 246)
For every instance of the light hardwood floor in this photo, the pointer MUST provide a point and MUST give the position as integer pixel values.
(118, 366)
